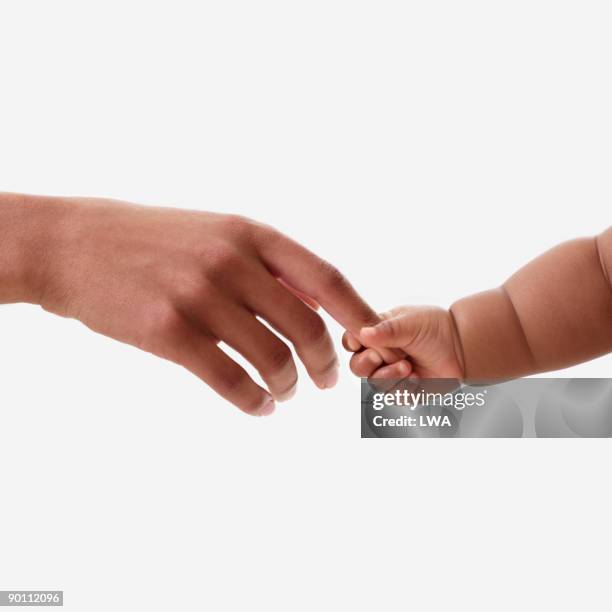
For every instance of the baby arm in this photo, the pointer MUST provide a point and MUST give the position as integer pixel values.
(554, 312)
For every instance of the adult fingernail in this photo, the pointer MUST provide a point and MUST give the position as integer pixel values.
(353, 343)
(267, 409)
(329, 380)
(286, 395)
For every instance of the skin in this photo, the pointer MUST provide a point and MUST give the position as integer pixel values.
(553, 313)
(176, 283)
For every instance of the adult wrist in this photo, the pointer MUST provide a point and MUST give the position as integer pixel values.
(30, 227)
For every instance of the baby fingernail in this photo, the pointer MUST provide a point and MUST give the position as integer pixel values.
(375, 359)
(404, 368)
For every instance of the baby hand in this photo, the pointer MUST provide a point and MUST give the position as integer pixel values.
(426, 334)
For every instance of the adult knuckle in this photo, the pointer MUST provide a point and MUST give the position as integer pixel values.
(278, 358)
(194, 296)
(190, 286)
(238, 227)
(314, 330)
(168, 320)
(222, 261)
(330, 275)
(232, 381)
(267, 233)
(163, 324)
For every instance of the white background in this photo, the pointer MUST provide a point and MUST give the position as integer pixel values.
(426, 148)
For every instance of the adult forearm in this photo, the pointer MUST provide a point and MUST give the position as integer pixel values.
(28, 229)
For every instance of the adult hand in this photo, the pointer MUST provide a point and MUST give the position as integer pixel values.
(175, 283)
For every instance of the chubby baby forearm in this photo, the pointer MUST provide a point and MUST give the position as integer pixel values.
(554, 312)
